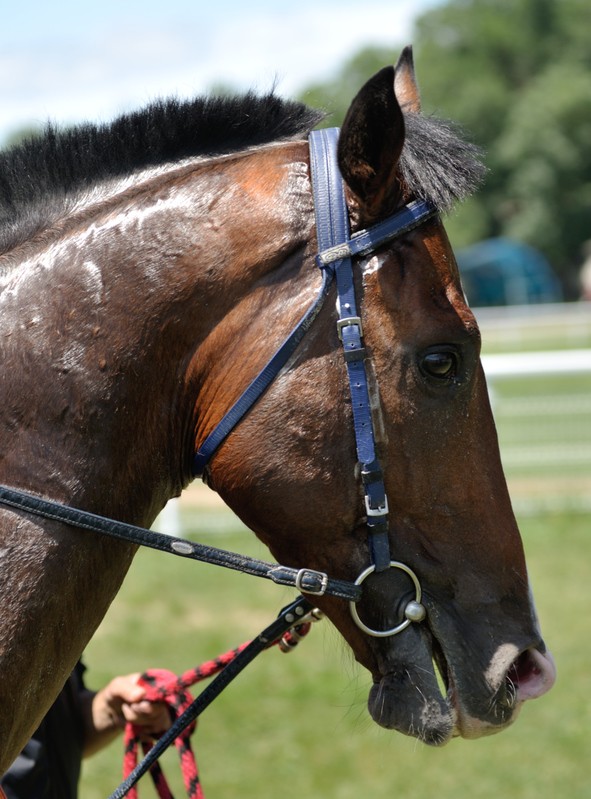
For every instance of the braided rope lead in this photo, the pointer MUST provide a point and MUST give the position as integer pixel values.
(164, 686)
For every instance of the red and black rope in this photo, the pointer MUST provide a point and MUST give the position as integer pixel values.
(164, 686)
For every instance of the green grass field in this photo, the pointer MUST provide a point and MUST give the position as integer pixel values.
(296, 725)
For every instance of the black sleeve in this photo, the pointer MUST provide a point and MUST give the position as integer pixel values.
(49, 765)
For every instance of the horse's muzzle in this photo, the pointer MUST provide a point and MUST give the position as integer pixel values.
(530, 675)
(408, 697)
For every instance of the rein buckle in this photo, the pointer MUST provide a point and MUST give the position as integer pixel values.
(319, 579)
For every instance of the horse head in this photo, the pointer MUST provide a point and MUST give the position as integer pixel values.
(450, 516)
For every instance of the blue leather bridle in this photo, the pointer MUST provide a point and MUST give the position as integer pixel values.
(337, 248)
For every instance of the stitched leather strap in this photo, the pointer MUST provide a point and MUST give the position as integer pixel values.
(307, 581)
(336, 249)
(260, 383)
(332, 223)
(365, 241)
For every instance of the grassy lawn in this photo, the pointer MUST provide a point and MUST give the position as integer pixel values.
(296, 725)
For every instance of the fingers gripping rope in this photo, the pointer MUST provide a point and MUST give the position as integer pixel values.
(164, 686)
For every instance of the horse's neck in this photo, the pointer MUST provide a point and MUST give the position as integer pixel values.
(110, 313)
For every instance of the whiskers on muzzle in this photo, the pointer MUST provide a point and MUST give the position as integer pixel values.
(402, 702)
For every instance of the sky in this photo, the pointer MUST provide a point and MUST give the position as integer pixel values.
(69, 60)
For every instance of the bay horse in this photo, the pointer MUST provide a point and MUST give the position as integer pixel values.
(149, 269)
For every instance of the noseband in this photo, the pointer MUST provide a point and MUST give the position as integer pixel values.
(337, 248)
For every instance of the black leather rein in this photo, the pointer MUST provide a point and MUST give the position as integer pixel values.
(308, 581)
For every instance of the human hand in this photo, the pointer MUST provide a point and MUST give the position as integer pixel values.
(121, 701)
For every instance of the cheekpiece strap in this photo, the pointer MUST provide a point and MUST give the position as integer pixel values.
(332, 224)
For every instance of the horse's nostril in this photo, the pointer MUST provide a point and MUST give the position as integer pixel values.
(531, 675)
(522, 669)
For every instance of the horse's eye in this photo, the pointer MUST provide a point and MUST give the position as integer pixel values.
(441, 364)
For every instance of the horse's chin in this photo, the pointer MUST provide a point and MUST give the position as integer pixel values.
(428, 717)
(407, 695)
(433, 720)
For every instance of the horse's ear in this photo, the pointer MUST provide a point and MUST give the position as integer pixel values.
(371, 141)
(405, 83)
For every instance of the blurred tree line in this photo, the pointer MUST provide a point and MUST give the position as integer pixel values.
(516, 74)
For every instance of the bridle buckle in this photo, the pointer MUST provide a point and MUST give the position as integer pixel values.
(346, 321)
(381, 510)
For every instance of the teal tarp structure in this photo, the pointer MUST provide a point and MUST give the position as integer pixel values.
(504, 272)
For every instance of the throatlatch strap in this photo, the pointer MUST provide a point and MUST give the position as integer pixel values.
(332, 223)
(260, 383)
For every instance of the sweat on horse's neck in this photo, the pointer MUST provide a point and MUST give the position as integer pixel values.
(130, 271)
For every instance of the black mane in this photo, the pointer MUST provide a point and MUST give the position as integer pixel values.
(38, 175)
(41, 175)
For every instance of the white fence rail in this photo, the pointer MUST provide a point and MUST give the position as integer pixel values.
(542, 407)
(553, 326)
(536, 364)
